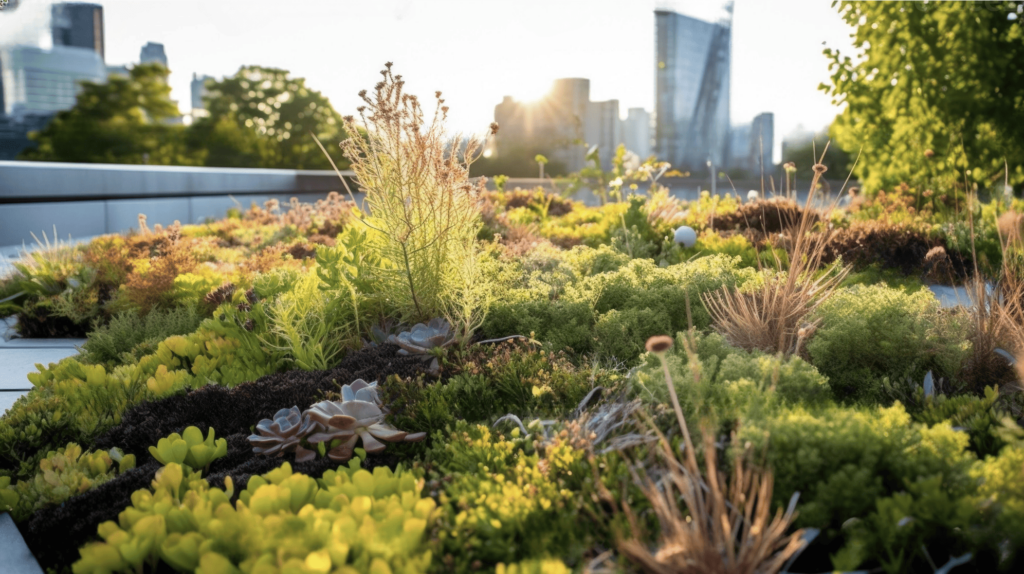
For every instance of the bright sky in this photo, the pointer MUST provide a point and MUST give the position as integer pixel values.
(475, 51)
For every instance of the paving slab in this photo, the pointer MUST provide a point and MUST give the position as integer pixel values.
(15, 553)
(950, 296)
(7, 399)
(16, 364)
(41, 344)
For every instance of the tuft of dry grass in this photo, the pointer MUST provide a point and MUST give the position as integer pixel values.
(724, 524)
(771, 317)
(996, 321)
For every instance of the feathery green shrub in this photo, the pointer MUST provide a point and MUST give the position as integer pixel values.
(135, 336)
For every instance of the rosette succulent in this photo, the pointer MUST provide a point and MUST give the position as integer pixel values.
(356, 416)
(352, 420)
(424, 338)
(360, 390)
(190, 448)
(283, 434)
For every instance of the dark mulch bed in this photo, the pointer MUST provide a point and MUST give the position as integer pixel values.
(55, 534)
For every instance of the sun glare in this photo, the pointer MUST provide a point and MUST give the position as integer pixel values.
(532, 90)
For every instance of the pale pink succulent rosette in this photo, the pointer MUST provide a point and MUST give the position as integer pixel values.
(357, 416)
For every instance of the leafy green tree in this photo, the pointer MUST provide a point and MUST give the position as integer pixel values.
(934, 95)
(263, 117)
(120, 121)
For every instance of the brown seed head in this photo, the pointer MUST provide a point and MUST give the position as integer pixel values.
(348, 119)
(658, 344)
(387, 65)
(437, 94)
(819, 168)
(494, 128)
(362, 93)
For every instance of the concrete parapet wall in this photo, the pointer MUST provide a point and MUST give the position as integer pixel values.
(92, 199)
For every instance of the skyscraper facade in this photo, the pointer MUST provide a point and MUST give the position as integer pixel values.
(750, 146)
(603, 128)
(37, 81)
(636, 132)
(198, 93)
(153, 52)
(692, 89)
(78, 25)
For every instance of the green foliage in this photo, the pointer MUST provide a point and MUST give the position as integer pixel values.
(614, 312)
(842, 460)
(128, 337)
(927, 97)
(74, 402)
(723, 384)
(494, 381)
(190, 449)
(868, 333)
(312, 325)
(62, 474)
(263, 117)
(502, 501)
(350, 520)
(119, 121)
(978, 416)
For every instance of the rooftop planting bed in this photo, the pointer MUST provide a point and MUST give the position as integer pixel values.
(448, 379)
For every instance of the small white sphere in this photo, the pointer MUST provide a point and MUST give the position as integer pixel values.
(686, 236)
(752, 195)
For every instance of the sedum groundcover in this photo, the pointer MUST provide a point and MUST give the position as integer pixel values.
(450, 379)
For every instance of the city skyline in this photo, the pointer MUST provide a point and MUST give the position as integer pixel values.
(619, 64)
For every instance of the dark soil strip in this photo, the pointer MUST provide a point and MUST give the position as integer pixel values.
(237, 410)
(54, 534)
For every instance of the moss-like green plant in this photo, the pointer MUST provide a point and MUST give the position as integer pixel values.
(871, 332)
(505, 501)
(190, 448)
(842, 460)
(128, 333)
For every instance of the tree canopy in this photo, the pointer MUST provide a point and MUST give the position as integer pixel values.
(120, 121)
(934, 95)
(260, 117)
(263, 117)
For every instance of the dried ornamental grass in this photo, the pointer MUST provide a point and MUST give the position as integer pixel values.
(770, 318)
(725, 524)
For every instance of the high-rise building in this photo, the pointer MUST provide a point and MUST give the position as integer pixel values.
(37, 81)
(762, 140)
(603, 128)
(750, 145)
(153, 52)
(692, 88)
(198, 93)
(78, 25)
(636, 132)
